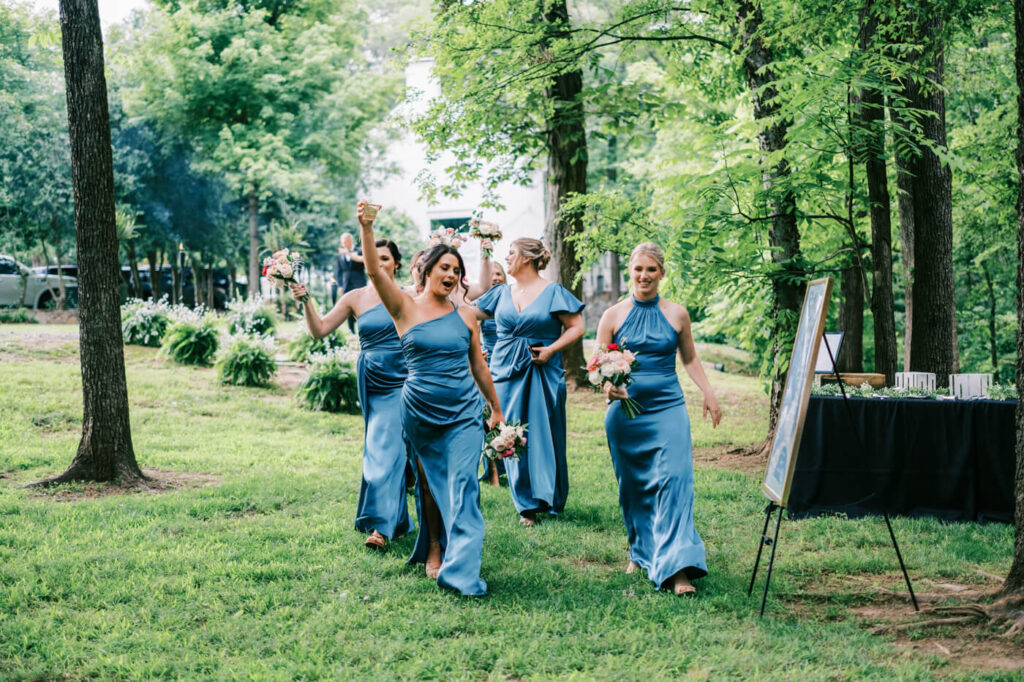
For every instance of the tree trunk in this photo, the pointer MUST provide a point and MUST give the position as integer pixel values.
(613, 177)
(232, 275)
(933, 344)
(60, 296)
(1015, 579)
(851, 320)
(905, 206)
(156, 283)
(872, 126)
(254, 243)
(133, 264)
(567, 174)
(993, 347)
(105, 452)
(783, 233)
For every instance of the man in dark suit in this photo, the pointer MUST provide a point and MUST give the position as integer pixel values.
(349, 272)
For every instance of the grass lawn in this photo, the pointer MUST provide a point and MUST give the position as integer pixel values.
(247, 566)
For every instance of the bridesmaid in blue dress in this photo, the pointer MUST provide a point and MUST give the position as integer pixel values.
(488, 338)
(441, 410)
(382, 511)
(652, 453)
(536, 319)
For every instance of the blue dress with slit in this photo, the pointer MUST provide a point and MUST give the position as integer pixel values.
(532, 394)
(442, 413)
(653, 453)
(381, 370)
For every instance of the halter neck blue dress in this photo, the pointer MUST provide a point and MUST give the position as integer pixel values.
(532, 394)
(442, 416)
(653, 454)
(381, 371)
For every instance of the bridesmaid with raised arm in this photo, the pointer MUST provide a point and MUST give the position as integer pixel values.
(652, 453)
(382, 510)
(441, 410)
(536, 319)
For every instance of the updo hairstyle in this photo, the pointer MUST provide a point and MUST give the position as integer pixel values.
(534, 251)
(649, 249)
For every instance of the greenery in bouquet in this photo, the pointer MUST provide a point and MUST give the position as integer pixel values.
(305, 344)
(505, 441)
(192, 337)
(247, 360)
(332, 384)
(250, 316)
(144, 323)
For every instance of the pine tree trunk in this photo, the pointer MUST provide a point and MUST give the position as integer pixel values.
(783, 233)
(105, 452)
(567, 174)
(1015, 579)
(254, 243)
(851, 321)
(933, 344)
(872, 121)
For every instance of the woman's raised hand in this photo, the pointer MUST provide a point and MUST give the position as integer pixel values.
(298, 290)
(363, 220)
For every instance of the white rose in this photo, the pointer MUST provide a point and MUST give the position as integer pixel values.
(594, 377)
(628, 356)
(622, 367)
(607, 369)
(285, 270)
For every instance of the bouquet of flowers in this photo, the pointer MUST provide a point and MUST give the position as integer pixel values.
(614, 365)
(280, 268)
(505, 441)
(447, 236)
(486, 232)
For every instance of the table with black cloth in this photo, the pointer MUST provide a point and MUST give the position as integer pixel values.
(948, 459)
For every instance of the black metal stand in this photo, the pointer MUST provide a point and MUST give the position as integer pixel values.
(773, 542)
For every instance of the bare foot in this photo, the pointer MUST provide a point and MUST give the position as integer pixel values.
(632, 568)
(433, 565)
(493, 478)
(528, 519)
(681, 585)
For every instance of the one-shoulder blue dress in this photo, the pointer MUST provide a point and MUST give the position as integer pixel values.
(442, 413)
(381, 371)
(653, 453)
(532, 394)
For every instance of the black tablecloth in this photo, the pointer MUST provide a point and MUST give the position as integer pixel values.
(953, 460)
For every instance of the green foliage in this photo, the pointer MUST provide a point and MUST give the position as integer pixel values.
(332, 384)
(251, 316)
(191, 339)
(144, 323)
(305, 344)
(247, 360)
(995, 392)
(16, 316)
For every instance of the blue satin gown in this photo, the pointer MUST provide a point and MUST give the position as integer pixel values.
(653, 453)
(381, 370)
(442, 416)
(488, 336)
(532, 394)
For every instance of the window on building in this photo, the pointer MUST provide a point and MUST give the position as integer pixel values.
(458, 224)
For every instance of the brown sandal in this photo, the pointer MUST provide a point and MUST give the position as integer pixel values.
(376, 541)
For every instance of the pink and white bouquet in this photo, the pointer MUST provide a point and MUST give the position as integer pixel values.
(613, 364)
(447, 236)
(505, 441)
(488, 233)
(281, 267)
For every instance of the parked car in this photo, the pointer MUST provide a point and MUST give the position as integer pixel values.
(20, 286)
(220, 284)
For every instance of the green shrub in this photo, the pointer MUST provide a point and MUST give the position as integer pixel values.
(1003, 392)
(250, 316)
(16, 316)
(247, 360)
(332, 385)
(305, 344)
(192, 338)
(144, 323)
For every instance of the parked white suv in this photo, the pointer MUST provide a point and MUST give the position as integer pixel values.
(19, 286)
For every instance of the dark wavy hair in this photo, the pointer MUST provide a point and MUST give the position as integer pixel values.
(396, 255)
(434, 254)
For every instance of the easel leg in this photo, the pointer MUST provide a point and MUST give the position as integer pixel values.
(761, 542)
(771, 563)
(903, 566)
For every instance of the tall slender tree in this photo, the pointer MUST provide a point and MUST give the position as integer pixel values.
(105, 452)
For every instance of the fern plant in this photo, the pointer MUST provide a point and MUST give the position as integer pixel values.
(305, 345)
(247, 360)
(250, 316)
(144, 323)
(192, 339)
(332, 385)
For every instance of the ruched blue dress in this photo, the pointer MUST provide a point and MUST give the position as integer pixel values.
(532, 394)
(381, 370)
(488, 336)
(442, 416)
(653, 454)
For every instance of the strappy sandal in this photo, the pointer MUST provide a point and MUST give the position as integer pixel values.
(376, 541)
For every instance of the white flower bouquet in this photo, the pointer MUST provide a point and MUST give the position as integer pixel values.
(614, 365)
(505, 441)
(488, 233)
(280, 269)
